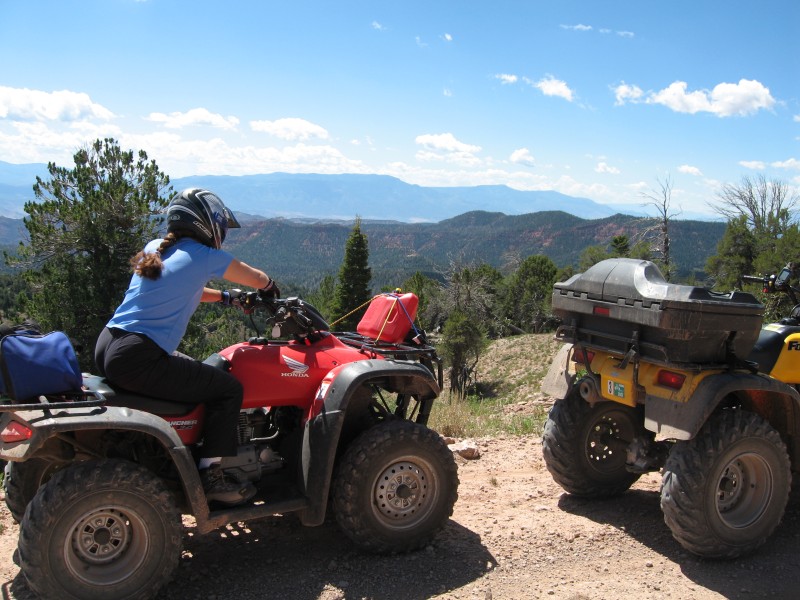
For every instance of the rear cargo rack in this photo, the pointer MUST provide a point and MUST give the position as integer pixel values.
(632, 348)
(621, 301)
(58, 402)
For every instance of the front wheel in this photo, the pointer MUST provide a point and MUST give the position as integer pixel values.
(585, 446)
(105, 530)
(395, 487)
(725, 491)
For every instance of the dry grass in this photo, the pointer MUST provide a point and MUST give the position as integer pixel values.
(506, 398)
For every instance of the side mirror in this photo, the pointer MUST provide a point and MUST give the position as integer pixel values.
(783, 277)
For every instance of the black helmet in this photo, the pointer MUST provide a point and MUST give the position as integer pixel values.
(202, 213)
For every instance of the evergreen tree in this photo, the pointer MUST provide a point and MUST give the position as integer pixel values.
(84, 227)
(462, 343)
(324, 298)
(620, 245)
(353, 288)
(736, 253)
(529, 293)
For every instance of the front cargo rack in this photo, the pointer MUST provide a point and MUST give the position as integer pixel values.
(424, 353)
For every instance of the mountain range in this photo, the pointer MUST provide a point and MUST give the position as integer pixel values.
(371, 197)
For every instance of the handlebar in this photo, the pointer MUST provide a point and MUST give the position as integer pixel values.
(756, 279)
(288, 316)
(779, 282)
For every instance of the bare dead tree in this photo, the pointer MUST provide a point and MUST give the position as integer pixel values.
(766, 204)
(657, 234)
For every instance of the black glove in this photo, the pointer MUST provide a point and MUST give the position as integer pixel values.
(270, 291)
(231, 297)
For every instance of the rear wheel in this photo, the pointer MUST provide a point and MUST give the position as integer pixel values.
(585, 446)
(107, 530)
(725, 491)
(21, 480)
(395, 487)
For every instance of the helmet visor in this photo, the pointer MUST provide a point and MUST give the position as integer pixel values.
(233, 223)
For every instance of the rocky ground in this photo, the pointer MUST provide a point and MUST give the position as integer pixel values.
(514, 534)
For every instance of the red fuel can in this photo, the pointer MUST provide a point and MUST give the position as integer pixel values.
(389, 317)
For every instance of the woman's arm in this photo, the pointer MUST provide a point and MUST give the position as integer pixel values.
(237, 272)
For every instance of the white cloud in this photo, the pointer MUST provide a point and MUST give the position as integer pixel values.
(791, 163)
(195, 116)
(603, 30)
(463, 159)
(796, 118)
(506, 78)
(447, 92)
(447, 37)
(725, 100)
(36, 105)
(606, 168)
(291, 129)
(523, 157)
(550, 86)
(690, 170)
(756, 165)
(444, 147)
(180, 156)
(446, 142)
(420, 43)
(41, 142)
(627, 93)
(377, 26)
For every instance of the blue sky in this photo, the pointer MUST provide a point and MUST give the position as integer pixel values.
(591, 98)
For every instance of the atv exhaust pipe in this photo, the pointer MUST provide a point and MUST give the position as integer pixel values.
(589, 389)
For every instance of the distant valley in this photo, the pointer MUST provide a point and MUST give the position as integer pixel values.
(295, 226)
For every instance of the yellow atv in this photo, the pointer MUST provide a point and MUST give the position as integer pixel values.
(656, 376)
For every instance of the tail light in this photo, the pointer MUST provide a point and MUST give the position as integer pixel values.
(583, 356)
(671, 379)
(601, 311)
(15, 432)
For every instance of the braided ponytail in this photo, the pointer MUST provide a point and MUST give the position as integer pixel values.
(149, 265)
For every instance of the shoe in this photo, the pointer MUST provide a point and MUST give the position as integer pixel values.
(223, 489)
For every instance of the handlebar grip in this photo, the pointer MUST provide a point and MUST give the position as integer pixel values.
(753, 278)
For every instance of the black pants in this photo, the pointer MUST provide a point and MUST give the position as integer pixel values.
(134, 362)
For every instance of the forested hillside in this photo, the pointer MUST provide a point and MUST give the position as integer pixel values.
(302, 252)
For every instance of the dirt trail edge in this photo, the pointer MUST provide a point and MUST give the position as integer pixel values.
(514, 534)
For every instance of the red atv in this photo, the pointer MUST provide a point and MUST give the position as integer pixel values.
(98, 482)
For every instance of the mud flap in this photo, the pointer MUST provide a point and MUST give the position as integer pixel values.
(559, 379)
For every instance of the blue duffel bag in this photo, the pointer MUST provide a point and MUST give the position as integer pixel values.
(33, 364)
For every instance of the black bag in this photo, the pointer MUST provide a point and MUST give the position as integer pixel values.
(33, 364)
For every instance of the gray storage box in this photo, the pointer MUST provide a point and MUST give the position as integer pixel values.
(624, 301)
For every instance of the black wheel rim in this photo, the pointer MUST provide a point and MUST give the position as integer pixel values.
(607, 438)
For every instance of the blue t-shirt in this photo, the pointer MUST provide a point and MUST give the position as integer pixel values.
(161, 308)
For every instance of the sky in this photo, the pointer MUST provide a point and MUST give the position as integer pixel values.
(601, 99)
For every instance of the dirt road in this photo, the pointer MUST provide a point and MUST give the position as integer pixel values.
(513, 535)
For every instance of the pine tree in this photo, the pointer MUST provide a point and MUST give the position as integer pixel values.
(353, 287)
(84, 227)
